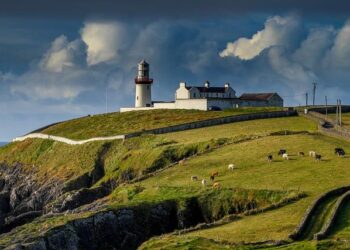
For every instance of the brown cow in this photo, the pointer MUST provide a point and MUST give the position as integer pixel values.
(216, 185)
(216, 173)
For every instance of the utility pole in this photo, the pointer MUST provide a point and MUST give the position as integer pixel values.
(340, 113)
(337, 113)
(326, 105)
(306, 99)
(106, 99)
(314, 93)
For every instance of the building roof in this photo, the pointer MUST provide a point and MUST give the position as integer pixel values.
(256, 96)
(208, 89)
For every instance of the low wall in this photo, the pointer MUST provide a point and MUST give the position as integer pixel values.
(330, 222)
(66, 140)
(175, 128)
(298, 231)
(215, 121)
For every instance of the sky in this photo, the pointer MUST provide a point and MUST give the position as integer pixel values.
(58, 59)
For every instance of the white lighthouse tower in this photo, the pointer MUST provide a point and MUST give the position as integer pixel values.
(143, 83)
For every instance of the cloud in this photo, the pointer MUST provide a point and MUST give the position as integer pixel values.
(338, 56)
(278, 31)
(297, 77)
(38, 84)
(71, 74)
(63, 53)
(103, 40)
(315, 47)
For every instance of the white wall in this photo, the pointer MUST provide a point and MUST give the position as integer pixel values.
(200, 104)
(135, 109)
(164, 105)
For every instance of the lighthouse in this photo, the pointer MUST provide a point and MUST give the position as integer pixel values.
(143, 97)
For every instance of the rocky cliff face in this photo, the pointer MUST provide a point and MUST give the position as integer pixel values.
(125, 228)
(22, 197)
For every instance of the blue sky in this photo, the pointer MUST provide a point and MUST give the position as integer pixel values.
(58, 58)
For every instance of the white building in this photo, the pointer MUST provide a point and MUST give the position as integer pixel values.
(203, 97)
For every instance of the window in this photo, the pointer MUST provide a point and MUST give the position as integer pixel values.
(137, 97)
(194, 95)
(147, 87)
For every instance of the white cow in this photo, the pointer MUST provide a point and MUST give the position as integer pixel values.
(231, 167)
(194, 178)
(285, 156)
(312, 154)
(204, 182)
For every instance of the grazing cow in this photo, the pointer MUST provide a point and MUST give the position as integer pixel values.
(231, 167)
(216, 185)
(282, 151)
(204, 182)
(318, 157)
(269, 158)
(216, 173)
(181, 162)
(212, 178)
(312, 154)
(285, 156)
(339, 151)
(194, 178)
(301, 154)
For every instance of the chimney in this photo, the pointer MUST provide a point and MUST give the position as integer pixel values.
(227, 85)
(182, 84)
(207, 84)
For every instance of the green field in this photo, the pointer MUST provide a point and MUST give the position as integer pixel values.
(122, 123)
(245, 144)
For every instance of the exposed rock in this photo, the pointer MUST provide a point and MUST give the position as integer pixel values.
(74, 199)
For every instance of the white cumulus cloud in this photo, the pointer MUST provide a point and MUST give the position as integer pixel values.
(277, 31)
(103, 40)
(63, 53)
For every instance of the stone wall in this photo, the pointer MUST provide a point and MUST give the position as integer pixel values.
(330, 222)
(66, 140)
(215, 121)
(299, 230)
(175, 128)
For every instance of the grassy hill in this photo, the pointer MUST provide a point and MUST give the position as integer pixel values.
(273, 190)
(121, 123)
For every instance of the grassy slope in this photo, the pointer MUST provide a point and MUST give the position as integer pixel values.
(254, 127)
(254, 172)
(58, 159)
(52, 159)
(121, 123)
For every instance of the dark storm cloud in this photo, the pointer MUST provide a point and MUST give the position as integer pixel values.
(138, 9)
